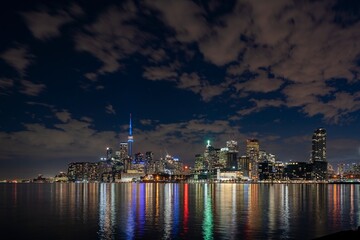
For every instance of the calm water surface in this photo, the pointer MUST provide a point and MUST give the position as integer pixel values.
(177, 211)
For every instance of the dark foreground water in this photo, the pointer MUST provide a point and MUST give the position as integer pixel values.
(176, 211)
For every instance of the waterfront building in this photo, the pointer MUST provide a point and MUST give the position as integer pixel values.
(298, 171)
(232, 155)
(244, 165)
(318, 155)
(265, 170)
(199, 162)
(223, 157)
(211, 157)
(138, 162)
(150, 163)
(318, 151)
(83, 171)
(252, 152)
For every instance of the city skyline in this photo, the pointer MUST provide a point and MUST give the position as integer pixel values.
(71, 73)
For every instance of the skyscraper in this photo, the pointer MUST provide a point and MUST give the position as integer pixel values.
(130, 139)
(232, 161)
(123, 150)
(318, 152)
(252, 152)
(318, 155)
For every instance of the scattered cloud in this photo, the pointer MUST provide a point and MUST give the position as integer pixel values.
(160, 73)
(111, 37)
(72, 139)
(110, 109)
(261, 83)
(185, 17)
(46, 24)
(19, 58)
(259, 105)
(6, 85)
(31, 89)
(63, 116)
(193, 82)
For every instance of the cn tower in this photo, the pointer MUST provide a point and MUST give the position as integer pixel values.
(130, 139)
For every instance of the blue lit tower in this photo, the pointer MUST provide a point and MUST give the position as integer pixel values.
(130, 139)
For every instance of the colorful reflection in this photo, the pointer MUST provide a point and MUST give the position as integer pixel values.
(207, 225)
(180, 211)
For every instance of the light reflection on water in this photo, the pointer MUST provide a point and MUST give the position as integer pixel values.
(178, 211)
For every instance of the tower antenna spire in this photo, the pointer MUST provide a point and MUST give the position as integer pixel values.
(130, 139)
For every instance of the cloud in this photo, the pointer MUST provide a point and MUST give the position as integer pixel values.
(160, 73)
(193, 82)
(261, 83)
(187, 81)
(155, 55)
(260, 105)
(185, 17)
(6, 85)
(219, 43)
(110, 109)
(111, 37)
(46, 24)
(63, 116)
(73, 139)
(19, 58)
(31, 89)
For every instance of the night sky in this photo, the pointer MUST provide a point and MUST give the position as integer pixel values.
(71, 72)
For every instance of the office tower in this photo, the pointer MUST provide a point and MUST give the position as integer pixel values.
(318, 152)
(199, 162)
(223, 157)
(244, 165)
(108, 153)
(211, 156)
(149, 163)
(252, 152)
(123, 150)
(232, 145)
(318, 155)
(130, 139)
(232, 159)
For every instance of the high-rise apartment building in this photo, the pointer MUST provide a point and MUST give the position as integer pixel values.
(318, 155)
(318, 151)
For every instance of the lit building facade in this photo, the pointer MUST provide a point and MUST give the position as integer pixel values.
(318, 151)
(232, 155)
(252, 152)
(318, 155)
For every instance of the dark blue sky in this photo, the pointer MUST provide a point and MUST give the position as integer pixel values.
(188, 71)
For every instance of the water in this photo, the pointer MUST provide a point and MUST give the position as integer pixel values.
(177, 211)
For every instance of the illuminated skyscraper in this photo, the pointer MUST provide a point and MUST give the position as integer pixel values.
(109, 153)
(231, 160)
(252, 152)
(123, 150)
(130, 139)
(318, 155)
(211, 156)
(318, 152)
